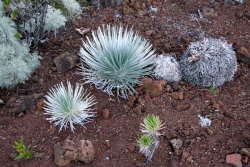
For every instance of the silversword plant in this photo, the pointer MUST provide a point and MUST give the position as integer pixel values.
(149, 141)
(66, 106)
(209, 62)
(116, 58)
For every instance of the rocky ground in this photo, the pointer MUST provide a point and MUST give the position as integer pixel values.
(111, 139)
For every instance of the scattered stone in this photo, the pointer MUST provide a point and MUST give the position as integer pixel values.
(149, 32)
(40, 104)
(234, 159)
(70, 150)
(216, 106)
(107, 142)
(174, 161)
(247, 14)
(157, 87)
(244, 55)
(246, 135)
(105, 113)
(82, 30)
(138, 110)
(1, 102)
(147, 82)
(245, 151)
(131, 101)
(169, 89)
(175, 86)
(182, 106)
(137, 6)
(127, 10)
(39, 154)
(141, 101)
(178, 152)
(209, 13)
(86, 152)
(13, 155)
(58, 154)
(131, 148)
(185, 155)
(153, 87)
(244, 159)
(177, 95)
(229, 114)
(176, 143)
(190, 159)
(23, 105)
(65, 62)
(210, 132)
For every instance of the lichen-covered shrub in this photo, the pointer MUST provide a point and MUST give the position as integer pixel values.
(1, 9)
(73, 7)
(116, 58)
(209, 62)
(16, 61)
(167, 68)
(54, 19)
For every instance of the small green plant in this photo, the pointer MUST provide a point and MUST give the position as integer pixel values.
(23, 151)
(149, 141)
(213, 90)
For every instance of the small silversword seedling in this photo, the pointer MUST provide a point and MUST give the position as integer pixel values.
(23, 151)
(149, 141)
(68, 106)
(213, 90)
(116, 58)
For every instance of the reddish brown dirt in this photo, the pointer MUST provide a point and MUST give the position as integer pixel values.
(172, 30)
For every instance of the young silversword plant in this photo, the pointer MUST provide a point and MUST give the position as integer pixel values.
(68, 106)
(116, 58)
(149, 141)
(23, 151)
(213, 90)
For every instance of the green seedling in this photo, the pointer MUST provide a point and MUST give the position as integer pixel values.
(213, 90)
(152, 124)
(14, 14)
(18, 35)
(145, 141)
(23, 151)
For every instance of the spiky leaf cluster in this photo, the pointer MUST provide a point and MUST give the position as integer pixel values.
(167, 68)
(67, 106)
(116, 58)
(16, 61)
(209, 62)
(152, 124)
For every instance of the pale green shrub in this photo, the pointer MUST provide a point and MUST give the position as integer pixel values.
(16, 61)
